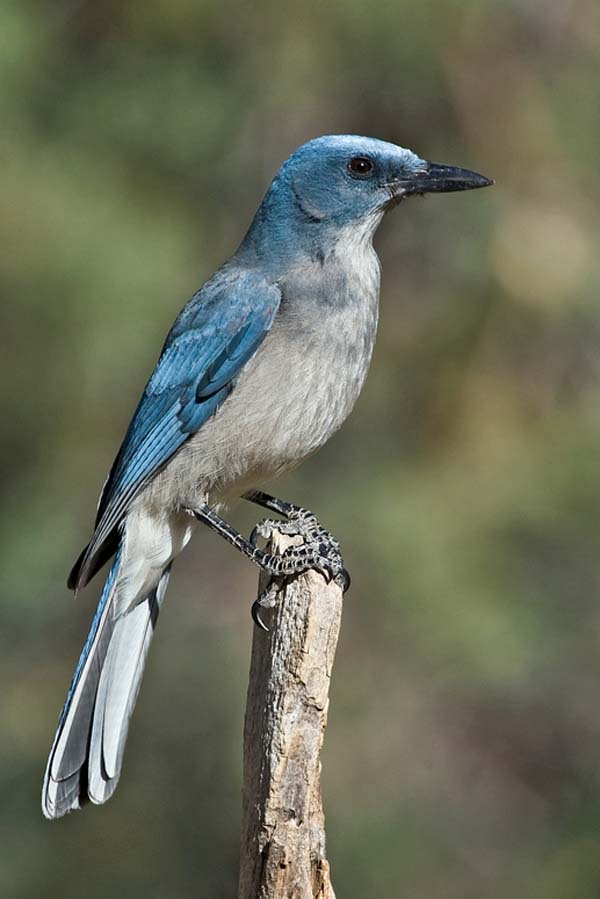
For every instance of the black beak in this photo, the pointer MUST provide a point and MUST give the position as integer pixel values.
(435, 178)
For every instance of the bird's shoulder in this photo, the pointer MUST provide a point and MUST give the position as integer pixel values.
(229, 296)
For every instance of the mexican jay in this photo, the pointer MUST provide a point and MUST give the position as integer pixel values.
(260, 368)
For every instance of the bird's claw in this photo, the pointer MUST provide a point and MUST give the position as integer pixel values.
(319, 552)
(298, 523)
(343, 579)
(268, 526)
(266, 600)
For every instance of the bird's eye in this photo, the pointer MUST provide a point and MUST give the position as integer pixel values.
(360, 166)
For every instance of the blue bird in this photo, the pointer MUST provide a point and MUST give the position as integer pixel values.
(261, 367)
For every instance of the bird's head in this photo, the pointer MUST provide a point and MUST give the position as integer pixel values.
(347, 180)
(347, 177)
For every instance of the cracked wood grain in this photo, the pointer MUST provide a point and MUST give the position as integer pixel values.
(283, 827)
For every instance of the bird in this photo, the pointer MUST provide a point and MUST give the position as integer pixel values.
(261, 367)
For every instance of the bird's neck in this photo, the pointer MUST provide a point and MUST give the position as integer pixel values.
(285, 233)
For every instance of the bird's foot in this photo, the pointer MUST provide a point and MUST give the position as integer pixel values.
(297, 521)
(319, 552)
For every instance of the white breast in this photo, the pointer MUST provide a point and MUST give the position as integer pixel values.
(295, 392)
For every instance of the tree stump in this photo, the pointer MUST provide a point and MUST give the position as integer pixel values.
(283, 828)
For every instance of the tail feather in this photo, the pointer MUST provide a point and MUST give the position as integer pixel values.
(87, 753)
(118, 691)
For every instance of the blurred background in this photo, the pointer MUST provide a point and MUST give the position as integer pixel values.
(462, 757)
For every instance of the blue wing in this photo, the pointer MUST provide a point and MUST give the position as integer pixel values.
(215, 335)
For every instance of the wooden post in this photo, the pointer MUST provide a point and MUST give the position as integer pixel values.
(283, 828)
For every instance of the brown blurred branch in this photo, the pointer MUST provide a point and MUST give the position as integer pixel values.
(283, 831)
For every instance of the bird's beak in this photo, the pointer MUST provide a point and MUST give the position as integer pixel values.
(436, 178)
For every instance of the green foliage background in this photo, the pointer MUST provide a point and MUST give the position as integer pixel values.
(136, 140)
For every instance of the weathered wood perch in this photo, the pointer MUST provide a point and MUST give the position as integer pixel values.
(283, 827)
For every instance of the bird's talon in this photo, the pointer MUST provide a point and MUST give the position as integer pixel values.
(255, 612)
(266, 600)
(343, 580)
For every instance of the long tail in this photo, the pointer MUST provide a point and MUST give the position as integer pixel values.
(87, 753)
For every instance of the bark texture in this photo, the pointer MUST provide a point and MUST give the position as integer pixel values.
(283, 829)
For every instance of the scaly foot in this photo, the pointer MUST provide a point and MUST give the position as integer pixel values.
(320, 550)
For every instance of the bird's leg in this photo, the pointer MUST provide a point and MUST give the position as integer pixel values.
(271, 502)
(294, 560)
(299, 521)
(319, 552)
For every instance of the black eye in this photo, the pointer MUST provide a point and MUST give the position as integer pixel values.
(360, 166)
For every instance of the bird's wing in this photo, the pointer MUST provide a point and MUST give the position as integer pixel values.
(215, 335)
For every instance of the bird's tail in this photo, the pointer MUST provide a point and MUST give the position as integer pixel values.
(87, 753)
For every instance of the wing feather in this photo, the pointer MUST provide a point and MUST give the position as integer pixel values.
(216, 334)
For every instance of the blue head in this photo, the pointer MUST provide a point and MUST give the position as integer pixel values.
(340, 181)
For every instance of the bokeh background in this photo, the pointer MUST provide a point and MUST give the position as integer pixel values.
(462, 757)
